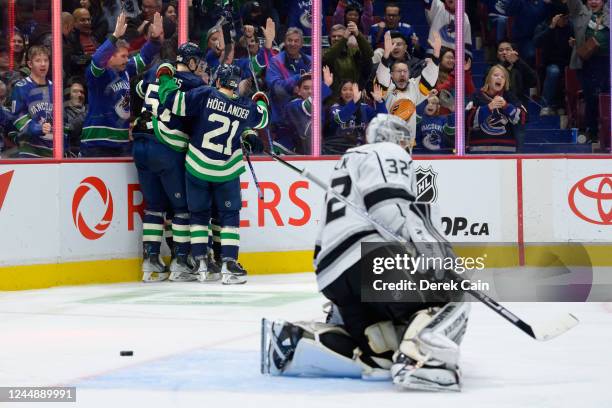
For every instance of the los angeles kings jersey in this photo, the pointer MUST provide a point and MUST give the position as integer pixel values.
(378, 178)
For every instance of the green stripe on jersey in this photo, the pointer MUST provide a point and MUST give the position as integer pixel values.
(205, 168)
(96, 71)
(92, 133)
(177, 141)
(35, 151)
(21, 122)
(140, 64)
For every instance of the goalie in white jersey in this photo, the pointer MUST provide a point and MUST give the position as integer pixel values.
(415, 344)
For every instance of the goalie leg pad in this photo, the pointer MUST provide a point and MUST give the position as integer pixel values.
(428, 354)
(382, 337)
(309, 349)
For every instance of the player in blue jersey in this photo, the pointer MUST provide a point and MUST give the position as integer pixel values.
(214, 160)
(106, 126)
(160, 144)
(32, 107)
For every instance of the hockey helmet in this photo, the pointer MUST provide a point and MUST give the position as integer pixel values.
(228, 76)
(389, 128)
(187, 52)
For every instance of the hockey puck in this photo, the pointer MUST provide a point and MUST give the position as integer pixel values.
(126, 353)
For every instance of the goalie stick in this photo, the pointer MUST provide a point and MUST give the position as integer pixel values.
(549, 330)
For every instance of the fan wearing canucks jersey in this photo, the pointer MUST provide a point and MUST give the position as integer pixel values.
(32, 107)
(160, 144)
(106, 126)
(214, 161)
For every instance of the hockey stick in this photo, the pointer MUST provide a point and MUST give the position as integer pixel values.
(542, 332)
(248, 159)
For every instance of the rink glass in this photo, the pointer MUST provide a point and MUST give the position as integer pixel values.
(25, 24)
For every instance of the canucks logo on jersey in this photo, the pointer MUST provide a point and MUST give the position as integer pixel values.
(32, 107)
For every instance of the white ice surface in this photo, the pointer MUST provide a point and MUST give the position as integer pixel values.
(197, 345)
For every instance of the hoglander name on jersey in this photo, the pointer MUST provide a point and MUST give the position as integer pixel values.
(230, 109)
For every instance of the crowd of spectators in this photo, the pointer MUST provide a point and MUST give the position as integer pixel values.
(268, 40)
(377, 56)
(516, 75)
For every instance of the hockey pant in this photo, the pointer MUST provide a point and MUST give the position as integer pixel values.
(202, 196)
(161, 173)
(345, 293)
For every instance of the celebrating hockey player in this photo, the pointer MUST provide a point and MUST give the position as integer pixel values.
(416, 344)
(160, 144)
(106, 126)
(214, 160)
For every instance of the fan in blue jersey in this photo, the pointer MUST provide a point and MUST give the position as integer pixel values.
(214, 160)
(32, 107)
(160, 143)
(434, 132)
(106, 126)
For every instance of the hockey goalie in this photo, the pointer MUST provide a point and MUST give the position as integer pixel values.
(413, 344)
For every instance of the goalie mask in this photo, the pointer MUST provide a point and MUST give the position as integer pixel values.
(389, 128)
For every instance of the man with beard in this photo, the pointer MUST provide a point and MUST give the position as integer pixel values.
(405, 93)
(106, 127)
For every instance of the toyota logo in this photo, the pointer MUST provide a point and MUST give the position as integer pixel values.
(591, 199)
(100, 228)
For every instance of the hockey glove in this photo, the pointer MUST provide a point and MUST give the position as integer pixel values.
(252, 142)
(260, 96)
(165, 69)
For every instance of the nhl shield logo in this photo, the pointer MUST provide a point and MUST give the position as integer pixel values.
(426, 188)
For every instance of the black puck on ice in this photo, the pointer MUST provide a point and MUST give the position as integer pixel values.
(126, 353)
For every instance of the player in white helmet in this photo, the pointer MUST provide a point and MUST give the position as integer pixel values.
(415, 344)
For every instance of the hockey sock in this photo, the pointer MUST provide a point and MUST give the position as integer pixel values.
(168, 235)
(152, 231)
(181, 234)
(216, 237)
(199, 240)
(230, 242)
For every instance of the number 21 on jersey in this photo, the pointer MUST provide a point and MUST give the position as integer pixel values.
(225, 146)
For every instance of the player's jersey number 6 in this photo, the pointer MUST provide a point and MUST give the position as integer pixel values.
(222, 130)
